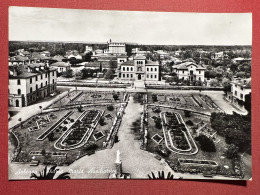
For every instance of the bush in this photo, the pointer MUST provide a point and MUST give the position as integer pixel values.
(110, 107)
(187, 113)
(101, 121)
(190, 123)
(206, 143)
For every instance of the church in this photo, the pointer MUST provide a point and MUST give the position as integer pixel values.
(139, 69)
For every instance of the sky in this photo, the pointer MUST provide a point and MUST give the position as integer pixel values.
(166, 28)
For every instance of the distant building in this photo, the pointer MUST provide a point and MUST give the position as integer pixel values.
(190, 71)
(139, 69)
(88, 49)
(121, 59)
(29, 83)
(116, 48)
(61, 66)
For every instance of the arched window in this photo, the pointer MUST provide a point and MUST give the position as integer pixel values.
(19, 91)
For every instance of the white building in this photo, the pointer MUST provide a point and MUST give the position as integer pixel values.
(61, 66)
(240, 88)
(88, 49)
(116, 48)
(29, 83)
(190, 71)
(139, 69)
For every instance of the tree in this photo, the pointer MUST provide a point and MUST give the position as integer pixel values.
(206, 143)
(51, 136)
(115, 96)
(213, 82)
(226, 85)
(44, 175)
(88, 56)
(232, 151)
(109, 74)
(101, 121)
(110, 107)
(161, 175)
(187, 113)
(68, 73)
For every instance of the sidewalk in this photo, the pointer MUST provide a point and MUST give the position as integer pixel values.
(29, 111)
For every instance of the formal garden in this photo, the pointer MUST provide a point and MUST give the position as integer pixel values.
(64, 134)
(183, 130)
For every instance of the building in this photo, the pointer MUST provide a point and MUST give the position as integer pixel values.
(29, 83)
(239, 89)
(190, 71)
(88, 49)
(61, 66)
(116, 48)
(121, 59)
(139, 69)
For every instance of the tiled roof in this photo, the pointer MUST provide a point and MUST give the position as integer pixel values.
(246, 83)
(184, 66)
(60, 64)
(128, 63)
(140, 57)
(151, 63)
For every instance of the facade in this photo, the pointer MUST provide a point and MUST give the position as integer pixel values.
(240, 88)
(116, 48)
(121, 59)
(29, 83)
(139, 69)
(88, 49)
(190, 71)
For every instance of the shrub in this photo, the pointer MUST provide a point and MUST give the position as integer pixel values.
(187, 113)
(190, 123)
(110, 107)
(206, 143)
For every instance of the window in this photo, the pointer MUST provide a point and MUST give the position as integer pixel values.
(123, 68)
(127, 75)
(199, 72)
(31, 90)
(131, 75)
(235, 93)
(30, 80)
(18, 82)
(182, 78)
(147, 69)
(52, 80)
(123, 75)
(19, 91)
(155, 69)
(36, 78)
(36, 87)
(127, 68)
(151, 76)
(41, 85)
(199, 78)
(151, 69)
(53, 73)
(41, 76)
(131, 68)
(183, 71)
(241, 96)
(155, 76)
(148, 76)
(241, 88)
(46, 83)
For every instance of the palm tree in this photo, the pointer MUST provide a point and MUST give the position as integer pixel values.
(43, 175)
(161, 175)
